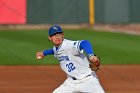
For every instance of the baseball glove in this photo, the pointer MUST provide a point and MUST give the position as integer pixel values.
(94, 62)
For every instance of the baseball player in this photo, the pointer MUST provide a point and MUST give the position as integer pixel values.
(74, 58)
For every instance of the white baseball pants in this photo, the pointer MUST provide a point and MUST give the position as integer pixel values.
(88, 84)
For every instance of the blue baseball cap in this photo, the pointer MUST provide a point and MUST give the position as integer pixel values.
(55, 29)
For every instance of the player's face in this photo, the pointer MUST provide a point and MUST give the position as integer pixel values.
(57, 39)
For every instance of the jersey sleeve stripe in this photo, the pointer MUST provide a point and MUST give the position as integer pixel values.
(78, 46)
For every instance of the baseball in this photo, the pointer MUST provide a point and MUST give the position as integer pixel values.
(38, 57)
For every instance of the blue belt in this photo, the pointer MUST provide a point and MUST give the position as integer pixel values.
(76, 78)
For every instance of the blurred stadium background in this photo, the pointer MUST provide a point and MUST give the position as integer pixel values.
(82, 17)
(24, 25)
(72, 12)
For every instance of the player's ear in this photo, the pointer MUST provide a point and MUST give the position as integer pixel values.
(63, 35)
(49, 38)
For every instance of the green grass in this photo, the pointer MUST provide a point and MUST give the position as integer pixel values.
(20, 47)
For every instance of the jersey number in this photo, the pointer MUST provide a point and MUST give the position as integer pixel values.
(70, 67)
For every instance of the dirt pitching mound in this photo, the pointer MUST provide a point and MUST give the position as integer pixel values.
(44, 79)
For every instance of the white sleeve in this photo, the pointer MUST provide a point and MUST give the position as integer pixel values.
(77, 47)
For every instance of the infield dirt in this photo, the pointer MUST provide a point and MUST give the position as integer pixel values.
(44, 79)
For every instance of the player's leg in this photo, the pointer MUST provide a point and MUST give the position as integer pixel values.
(66, 87)
(63, 89)
(91, 85)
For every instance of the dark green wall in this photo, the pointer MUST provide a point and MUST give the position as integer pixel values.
(99, 11)
(117, 11)
(111, 11)
(39, 11)
(135, 11)
(77, 11)
(70, 11)
(57, 11)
